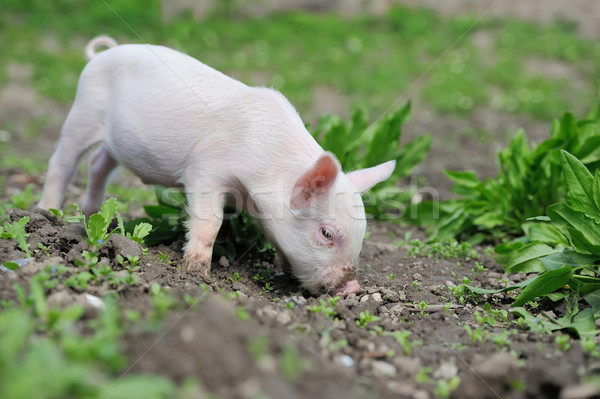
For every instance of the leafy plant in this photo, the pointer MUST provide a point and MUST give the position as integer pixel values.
(365, 317)
(358, 145)
(528, 181)
(325, 307)
(564, 250)
(401, 337)
(97, 226)
(17, 230)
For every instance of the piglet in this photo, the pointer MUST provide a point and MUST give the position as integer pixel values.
(176, 122)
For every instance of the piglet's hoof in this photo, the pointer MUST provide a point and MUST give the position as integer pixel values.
(196, 265)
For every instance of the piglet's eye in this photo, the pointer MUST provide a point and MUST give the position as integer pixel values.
(326, 233)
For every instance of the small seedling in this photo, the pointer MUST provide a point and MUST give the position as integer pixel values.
(57, 213)
(589, 346)
(563, 341)
(416, 285)
(236, 277)
(25, 199)
(293, 365)
(17, 230)
(401, 337)
(365, 318)
(161, 301)
(324, 308)
(391, 276)
(444, 388)
(97, 226)
(422, 306)
(43, 249)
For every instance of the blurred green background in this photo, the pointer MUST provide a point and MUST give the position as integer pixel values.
(472, 81)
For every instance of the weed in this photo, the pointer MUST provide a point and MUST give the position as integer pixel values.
(44, 249)
(96, 227)
(563, 341)
(391, 277)
(444, 388)
(293, 364)
(477, 335)
(17, 230)
(416, 285)
(365, 317)
(236, 277)
(589, 346)
(324, 307)
(242, 314)
(164, 258)
(25, 199)
(447, 249)
(401, 337)
(161, 301)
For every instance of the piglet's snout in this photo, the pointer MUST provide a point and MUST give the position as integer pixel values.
(351, 287)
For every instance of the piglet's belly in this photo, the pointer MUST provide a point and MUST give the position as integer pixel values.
(150, 168)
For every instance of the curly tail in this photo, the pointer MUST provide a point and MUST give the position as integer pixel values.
(90, 49)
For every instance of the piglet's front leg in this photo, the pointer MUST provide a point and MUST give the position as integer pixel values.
(206, 217)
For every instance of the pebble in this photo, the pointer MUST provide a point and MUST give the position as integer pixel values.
(365, 298)
(94, 301)
(224, 262)
(284, 317)
(346, 361)
(377, 297)
(298, 300)
(446, 370)
(268, 311)
(371, 289)
(351, 300)
(391, 295)
(384, 369)
(187, 334)
(578, 392)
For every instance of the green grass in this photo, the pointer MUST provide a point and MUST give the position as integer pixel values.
(370, 60)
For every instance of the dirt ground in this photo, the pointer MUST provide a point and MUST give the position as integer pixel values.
(211, 340)
(335, 357)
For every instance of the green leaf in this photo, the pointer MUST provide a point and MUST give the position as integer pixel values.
(489, 220)
(479, 290)
(411, 155)
(140, 386)
(10, 265)
(596, 188)
(590, 150)
(579, 185)
(567, 257)
(544, 284)
(593, 298)
(546, 233)
(526, 259)
(97, 229)
(109, 207)
(464, 178)
(582, 230)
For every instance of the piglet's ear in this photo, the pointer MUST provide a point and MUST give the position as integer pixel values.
(316, 181)
(364, 179)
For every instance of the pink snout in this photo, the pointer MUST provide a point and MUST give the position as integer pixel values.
(351, 287)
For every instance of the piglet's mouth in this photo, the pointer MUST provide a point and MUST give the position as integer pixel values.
(351, 287)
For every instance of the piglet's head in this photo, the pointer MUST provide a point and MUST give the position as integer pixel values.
(323, 234)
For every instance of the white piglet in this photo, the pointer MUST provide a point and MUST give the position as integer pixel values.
(174, 121)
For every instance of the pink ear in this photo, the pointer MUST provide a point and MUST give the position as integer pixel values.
(364, 179)
(316, 181)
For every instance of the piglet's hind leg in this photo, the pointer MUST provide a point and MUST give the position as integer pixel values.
(80, 132)
(206, 217)
(101, 166)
